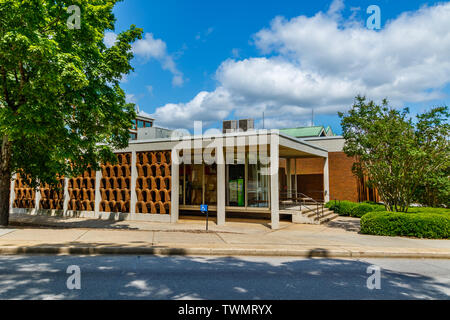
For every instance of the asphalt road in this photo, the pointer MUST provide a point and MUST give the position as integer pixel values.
(154, 277)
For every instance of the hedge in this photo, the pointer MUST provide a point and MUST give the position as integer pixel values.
(353, 209)
(422, 224)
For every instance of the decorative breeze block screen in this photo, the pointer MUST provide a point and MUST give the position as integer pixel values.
(52, 197)
(25, 195)
(153, 182)
(82, 192)
(115, 185)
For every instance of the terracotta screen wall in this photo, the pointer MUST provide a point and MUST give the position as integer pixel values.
(82, 192)
(52, 198)
(115, 185)
(153, 182)
(25, 196)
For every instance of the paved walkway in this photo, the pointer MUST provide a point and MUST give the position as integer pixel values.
(339, 238)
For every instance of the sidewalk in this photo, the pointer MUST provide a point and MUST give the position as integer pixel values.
(340, 238)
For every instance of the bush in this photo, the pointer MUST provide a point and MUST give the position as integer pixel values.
(352, 209)
(343, 208)
(427, 223)
(362, 208)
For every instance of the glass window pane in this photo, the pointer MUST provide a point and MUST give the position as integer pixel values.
(194, 187)
(181, 187)
(258, 185)
(140, 124)
(236, 185)
(211, 185)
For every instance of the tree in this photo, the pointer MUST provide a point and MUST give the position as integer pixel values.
(433, 132)
(396, 154)
(61, 106)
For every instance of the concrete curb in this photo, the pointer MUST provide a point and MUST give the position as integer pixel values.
(167, 251)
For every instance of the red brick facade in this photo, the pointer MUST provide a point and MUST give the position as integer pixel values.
(343, 184)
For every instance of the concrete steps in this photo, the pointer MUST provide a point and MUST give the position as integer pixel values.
(309, 216)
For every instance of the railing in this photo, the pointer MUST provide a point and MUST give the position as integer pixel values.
(292, 200)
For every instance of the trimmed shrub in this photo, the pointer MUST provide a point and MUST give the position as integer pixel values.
(362, 208)
(352, 209)
(343, 208)
(429, 224)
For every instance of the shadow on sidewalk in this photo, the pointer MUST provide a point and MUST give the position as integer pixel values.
(346, 223)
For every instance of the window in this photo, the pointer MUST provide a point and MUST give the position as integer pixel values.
(133, 136)
(140, 124)
(258, 185)
(194, 184)
(236, 185)
(210, 184)
(134, 124)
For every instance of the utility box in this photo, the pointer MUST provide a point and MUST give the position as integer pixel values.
(243, 125)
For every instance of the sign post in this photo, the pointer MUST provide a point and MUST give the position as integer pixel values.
(204, 209)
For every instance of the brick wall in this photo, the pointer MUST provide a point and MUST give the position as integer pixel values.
(343, 184)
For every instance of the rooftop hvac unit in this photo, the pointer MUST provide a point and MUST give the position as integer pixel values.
(238, 125)
(229, 126)
(246, 125)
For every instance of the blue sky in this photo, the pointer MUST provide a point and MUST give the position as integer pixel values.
(210, 60)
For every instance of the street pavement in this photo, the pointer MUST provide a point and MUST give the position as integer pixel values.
(182, 277)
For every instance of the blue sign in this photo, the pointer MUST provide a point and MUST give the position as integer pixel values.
(204, 208)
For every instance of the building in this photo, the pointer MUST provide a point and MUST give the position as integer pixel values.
(308, 132)
(143, 120)
(257, 173)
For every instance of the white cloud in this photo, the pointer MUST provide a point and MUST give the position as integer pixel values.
(151, 48)
(321, 63)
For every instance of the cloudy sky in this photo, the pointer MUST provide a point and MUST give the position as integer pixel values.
(215, 60)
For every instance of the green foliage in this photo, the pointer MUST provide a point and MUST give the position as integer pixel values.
(353, 209)
(397, 154)
(61, 105)
(362, 208)
(428, 223)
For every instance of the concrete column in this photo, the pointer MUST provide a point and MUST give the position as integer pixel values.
(288, 177)
(134, 174)
(295, 177)
(37, 199)
(175, 186)
(98, 194)
(326, 181)
(274, 189)
(221, 183)
(66, 196)
(12, 194)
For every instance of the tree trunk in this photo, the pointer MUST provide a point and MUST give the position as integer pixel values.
(5, 180)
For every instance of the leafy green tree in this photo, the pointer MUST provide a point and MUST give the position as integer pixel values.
(433, 133)
(61, 106)
(394, 152)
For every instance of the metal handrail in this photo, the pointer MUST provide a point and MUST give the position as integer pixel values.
(319, 205)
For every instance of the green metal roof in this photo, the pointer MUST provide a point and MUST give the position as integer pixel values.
(303, 132)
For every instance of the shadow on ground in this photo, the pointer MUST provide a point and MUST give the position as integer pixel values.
(181, 277)
(348, 224)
